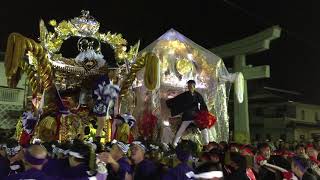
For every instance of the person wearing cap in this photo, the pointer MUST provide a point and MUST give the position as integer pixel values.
(263, 155)
(58, 159)
(79, 157)
(117, 163)
(143, 168)
(300, 150)
(14, 154)
(34, 159)
(183, 152)
(233, 147)
(215, 157)
(239, 165)
(121, 127)
(189, 103)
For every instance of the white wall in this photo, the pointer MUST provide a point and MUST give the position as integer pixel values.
(309, 113)
(3, 78)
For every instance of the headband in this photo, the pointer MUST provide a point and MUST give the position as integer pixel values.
(124, 147)
(139, 143)
(127, 118)
(33, 160)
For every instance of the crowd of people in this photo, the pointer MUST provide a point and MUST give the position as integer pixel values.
(145, 160)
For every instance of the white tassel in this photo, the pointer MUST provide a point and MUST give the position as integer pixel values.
(91, 54)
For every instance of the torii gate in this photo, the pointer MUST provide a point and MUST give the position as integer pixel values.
(238, 50)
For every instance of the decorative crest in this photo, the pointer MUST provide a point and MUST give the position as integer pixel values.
(87, 26)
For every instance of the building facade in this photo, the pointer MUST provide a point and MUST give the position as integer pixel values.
(274, 116)
(11, 99)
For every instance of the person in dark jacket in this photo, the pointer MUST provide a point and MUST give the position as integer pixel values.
(239, 166)
(189, 103)
(79, 162)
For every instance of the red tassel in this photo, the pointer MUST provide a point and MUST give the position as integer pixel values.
(24, 139)
(205, 119)
(131, 138)
(147, 124)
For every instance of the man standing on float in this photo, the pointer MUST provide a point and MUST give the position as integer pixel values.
(189, 103)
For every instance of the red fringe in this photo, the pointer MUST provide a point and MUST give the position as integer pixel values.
(24, 139)
(205, 119)
(147, 124)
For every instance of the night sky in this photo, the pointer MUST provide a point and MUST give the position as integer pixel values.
(294, 58)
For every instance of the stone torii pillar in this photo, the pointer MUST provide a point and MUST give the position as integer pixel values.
(238, 51)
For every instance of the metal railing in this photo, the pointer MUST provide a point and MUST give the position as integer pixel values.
(12, 96)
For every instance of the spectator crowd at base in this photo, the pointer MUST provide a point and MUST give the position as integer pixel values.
(151, 161)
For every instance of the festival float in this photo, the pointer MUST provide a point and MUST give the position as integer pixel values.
(93, 95)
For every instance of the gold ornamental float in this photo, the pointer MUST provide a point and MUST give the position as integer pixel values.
(145, 79)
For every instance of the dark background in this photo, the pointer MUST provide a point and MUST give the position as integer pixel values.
(294, 58)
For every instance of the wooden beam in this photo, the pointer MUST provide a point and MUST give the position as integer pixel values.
(257, 72)
(249, 45)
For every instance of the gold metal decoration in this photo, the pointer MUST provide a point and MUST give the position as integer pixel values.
(107, 127)
(45, 67)
(37, 70)
(85, 26)
(46, 130)
(151, 61)
(127, 82)
(45, 56)
(19, 129)
(184, 66)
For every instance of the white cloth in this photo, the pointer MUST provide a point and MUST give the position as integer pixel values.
(238, 80)
(205, 136)
(184, 125)
(91, 55)
(167, 135)
(205, 175)
(182, 128)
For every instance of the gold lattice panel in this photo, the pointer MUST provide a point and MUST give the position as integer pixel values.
(9, 115)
